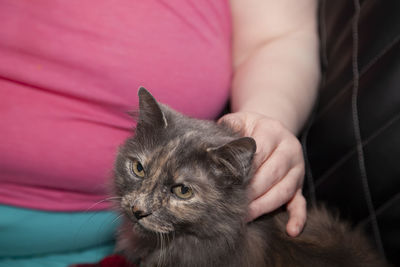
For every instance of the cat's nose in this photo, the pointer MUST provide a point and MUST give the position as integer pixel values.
(139, 214)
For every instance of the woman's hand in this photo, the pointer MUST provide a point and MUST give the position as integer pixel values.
(279, 164)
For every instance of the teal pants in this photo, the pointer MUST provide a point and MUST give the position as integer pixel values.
(38, 238)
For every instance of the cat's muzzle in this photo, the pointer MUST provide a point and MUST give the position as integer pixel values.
(139, 214)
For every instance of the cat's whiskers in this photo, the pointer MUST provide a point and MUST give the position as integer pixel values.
(162, 254)
(117, 218)
(167, 242)
(101, 226)
(159, 245)
(162, 249)
(102, 201)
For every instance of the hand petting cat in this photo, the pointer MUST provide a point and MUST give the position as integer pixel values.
(279, 168)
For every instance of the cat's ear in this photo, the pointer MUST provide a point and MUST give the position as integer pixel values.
(150, 112)
(235, 156)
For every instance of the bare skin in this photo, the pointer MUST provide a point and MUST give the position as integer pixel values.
(276, 72)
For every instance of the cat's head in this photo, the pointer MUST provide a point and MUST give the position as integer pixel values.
(182, 175)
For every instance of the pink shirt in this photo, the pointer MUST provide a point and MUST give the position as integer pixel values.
(69, 70)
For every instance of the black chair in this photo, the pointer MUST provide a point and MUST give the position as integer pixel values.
(352, 143)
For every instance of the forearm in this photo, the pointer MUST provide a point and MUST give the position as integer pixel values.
(278, 75)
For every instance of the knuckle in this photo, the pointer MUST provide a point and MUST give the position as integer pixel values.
(255, 211)
(270, 125)
(276, 124)
(299, 171)
(277, 172)
(297, 146)
(300, 199)
(303, 202)
(277, 127)
(286, 193)
(261, 127)
(294, 146)
(298, 176)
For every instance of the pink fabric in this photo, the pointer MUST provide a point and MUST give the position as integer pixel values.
(69, 70)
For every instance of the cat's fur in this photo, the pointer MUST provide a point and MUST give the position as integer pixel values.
(209, 228)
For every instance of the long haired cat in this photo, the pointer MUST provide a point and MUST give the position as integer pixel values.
(182, 184)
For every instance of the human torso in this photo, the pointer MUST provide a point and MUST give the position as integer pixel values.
(70, 70)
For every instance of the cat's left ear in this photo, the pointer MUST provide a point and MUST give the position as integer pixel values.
(150, 112)
(235, 156)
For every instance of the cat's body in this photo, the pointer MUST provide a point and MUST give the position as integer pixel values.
(182, 184)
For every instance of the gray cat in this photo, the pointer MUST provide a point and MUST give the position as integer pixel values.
(182, 188)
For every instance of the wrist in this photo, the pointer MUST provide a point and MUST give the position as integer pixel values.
(279, 112)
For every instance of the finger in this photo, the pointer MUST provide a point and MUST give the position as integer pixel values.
(251, 127)
(268, 136)
(297, 209)
(280, 194)
(271, 171)
(234, 120)
(284, 158)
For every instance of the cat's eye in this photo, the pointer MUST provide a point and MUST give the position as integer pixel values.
(137, 168)
(182, 191)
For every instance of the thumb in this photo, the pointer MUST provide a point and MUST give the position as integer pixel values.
(233, 120)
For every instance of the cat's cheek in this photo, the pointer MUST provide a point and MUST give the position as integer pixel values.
(186, 210)
(154, 223)
(124, 184)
